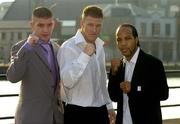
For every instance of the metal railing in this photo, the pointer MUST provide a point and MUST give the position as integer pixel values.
(168, 72)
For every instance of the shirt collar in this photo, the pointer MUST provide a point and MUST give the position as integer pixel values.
(134, 58)
(41, 42)
(79, 39)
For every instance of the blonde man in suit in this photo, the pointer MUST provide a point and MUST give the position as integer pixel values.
(33, 62)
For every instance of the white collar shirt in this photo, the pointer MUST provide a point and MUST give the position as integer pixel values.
(83, 77)
(129, 69)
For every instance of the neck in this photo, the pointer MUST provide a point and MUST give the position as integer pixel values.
(128, 58)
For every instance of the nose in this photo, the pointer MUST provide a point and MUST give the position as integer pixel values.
(123, 42)
(94, 29)
(45, 29)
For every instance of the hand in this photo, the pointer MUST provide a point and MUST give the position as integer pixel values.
(89, 49)
(125, 86)
(32, 39)
(115, 63)
(112, 116)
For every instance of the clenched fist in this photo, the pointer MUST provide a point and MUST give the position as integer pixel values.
(125, 86)
(115, 64)
(32, 39)
(89, 49)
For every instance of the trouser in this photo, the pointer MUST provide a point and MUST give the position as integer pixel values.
(74, 114)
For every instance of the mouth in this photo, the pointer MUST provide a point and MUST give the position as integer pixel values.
(45, 35)
(93, 35)
(124, 50)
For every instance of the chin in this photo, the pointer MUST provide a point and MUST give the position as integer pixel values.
(45, 39)
(92, 40)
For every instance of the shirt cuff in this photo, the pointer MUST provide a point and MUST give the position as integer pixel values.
(109, 106)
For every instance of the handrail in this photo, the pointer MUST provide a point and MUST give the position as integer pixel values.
(7, 117)
(172, 105)
(15, 95)
(9, 95)
(2, 75)
(172, 71)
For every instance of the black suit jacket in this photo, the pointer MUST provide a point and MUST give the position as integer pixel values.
(144, 105)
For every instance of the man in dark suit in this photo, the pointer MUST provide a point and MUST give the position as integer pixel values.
(137, 82)
(34, 63)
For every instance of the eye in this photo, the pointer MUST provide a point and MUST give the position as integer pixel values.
(98, 26)
(90, 24)
(50, 24)
(128, 38)
(118, 40)
(40, 25)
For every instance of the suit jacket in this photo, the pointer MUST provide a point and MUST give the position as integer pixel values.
(38, 100)
(149, 76)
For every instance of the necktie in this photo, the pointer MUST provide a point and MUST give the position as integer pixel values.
(51, 60)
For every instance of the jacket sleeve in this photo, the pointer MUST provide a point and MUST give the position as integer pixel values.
(19, 60)
(163, 91)
(114, 90)
(156, 86)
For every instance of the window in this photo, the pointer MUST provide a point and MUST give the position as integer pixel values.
(12, 36)
(143, 28)
(19, 36)
(168, 30)
(155, 29)
(3, 36)
(1, 53)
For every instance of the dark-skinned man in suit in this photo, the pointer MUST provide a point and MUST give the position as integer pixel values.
(137, 82)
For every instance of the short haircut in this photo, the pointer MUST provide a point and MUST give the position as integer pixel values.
(134, 31)
(42, 12)
(93, 11)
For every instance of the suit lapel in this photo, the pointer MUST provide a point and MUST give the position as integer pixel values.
(138, 66)
(39, 52)
(137, 75)
(54, 56)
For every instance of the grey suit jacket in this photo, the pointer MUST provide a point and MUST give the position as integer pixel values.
(38, 101)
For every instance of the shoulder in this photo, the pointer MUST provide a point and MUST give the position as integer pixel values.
(68, 43)
(99, 42)
(150, 58)
(19, 44)
(55, 45)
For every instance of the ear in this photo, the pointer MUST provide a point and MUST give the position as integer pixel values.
(137, 40)
(31, 24)
(55, 23)
(81, 23)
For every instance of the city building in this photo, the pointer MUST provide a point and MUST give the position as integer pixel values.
(157, 24)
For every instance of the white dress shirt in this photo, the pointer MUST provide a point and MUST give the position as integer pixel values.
(129, 69)
(83, 76)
